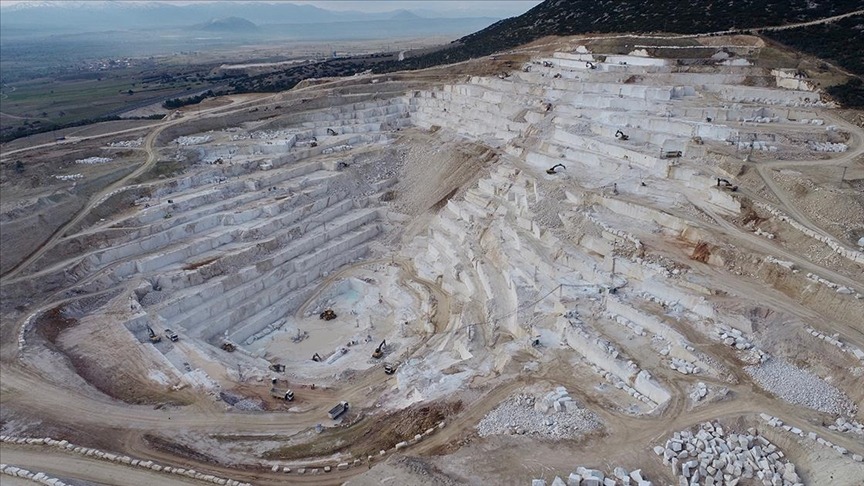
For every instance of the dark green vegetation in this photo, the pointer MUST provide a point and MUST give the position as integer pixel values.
(192, 100)
(288, 78)
(838, 42)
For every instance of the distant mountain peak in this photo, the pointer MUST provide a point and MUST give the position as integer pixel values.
(403, 14)
(228, 24)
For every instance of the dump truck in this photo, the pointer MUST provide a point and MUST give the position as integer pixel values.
(671, 154)
(171, 335)
(282, 394)
(389, 368)
(338, 410)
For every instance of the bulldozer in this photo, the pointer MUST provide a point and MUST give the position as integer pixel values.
(154, 338)
(379, 351)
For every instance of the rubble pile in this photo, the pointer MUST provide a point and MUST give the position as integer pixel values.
(127, 143)
(192, 140)
(699, 392)
(554, 416)
(711, 456)
(70, 177)
(684, 367)
(594, 477)
(843, 425)
(94, 160)
(799, 387)
(827, 147)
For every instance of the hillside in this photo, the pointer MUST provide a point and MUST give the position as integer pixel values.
(572, 17)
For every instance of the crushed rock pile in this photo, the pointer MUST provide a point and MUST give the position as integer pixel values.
(554, 416)
(799, 387)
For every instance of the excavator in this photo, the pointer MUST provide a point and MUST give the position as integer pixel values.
(552, 170)
(622, 135)
(379, 351)
(154, 338)
(726, 184)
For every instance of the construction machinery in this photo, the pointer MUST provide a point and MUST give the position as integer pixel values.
(724, 183)
(328, 315)
(379, 351)
(316, 357)
(590, 65)
(228, 346)
(621, 135)
(278, 368)
(552, 170)
(171, 335)
(331, 132)
(389, 368)
(282, 394)
(671, 154)
(154, 338)
(338, 410)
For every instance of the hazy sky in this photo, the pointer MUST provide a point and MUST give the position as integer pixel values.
(493, 8)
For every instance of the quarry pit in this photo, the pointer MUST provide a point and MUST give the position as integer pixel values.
(580, 263)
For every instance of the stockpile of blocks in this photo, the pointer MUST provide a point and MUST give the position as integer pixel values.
(593, 477)
(712, 457)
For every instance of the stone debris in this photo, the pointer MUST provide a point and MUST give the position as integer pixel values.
(69, 177)
(735, 338)
(192, 140)
(843, 425)
(593, 477)
(712, 457)
(86, 451)
(554, 416)
(835, 341)
(699, 392)
(127, 143)
(338, 148)
(39, 478)
(800, 387)
(827, 147)
(855, 256)
(684, 367)
(94, 160)
(778, 423)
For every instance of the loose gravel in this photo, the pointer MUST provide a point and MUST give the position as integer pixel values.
(799, 387)
(518, 415)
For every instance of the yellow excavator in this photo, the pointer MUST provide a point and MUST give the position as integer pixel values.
(379, 351)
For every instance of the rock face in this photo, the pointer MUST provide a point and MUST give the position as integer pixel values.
(711, 456)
